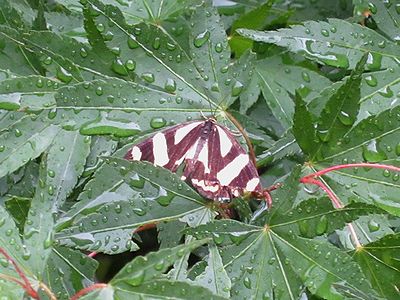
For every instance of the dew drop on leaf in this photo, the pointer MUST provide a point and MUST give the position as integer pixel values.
(218, 47)
(325, 32)
(371, 80)
(139, 211)
(2, 147)
(63, 75)
(48, 60)
(156, 43)
(130, 65)
(322, 225)
(149, 77)
(345, 118)
(17, 132)
(201, 38)
(170, 85)
(157, 122)
(136, 279)
(372, 153)
(237, 89)
(247, 282)
(373, 226)
(118, 67)
(305, 76)
(83, 52)
(132, 43)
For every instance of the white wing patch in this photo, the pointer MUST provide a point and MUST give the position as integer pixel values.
(233, 169)
(203, 157)
(224, 141)
(208, 188)
(192, 150)
(183, 131)
(160, 150)
(252, 184)
(136, 153)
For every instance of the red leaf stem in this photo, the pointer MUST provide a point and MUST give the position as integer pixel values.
(88, 289)
(25, 284)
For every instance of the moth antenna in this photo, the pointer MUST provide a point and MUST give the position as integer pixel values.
(244, 134)
(203, 115)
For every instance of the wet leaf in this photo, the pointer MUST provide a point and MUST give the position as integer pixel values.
(380, 261)
(108, 213)
(336, 43)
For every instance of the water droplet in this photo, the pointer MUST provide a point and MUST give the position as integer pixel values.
(386, 173)
(132, 43)
(247, 282)
(100, 27)
(51, 173)
(63, 75)
(373, 226)
(39, 83)
(48, 60)
(371, 80)
(372, 8)
(237, 89)
(149, 77)
(157, 122)
(170, 85)
(303, 227)
(219, 47)
(345, 118)
(156, 43)
(2, 148)
(322, 225)
(325, 32)
(372, 153)
(118, 67)
(397, 149)
(130, 65)
(139, 211)
(99, 91)
(201, 39)
(83, 52)
(305, 76)
(50, 190)
(17, 132)
(137, 278)
(160, 265)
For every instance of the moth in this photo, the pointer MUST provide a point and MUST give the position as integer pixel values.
(214, 161)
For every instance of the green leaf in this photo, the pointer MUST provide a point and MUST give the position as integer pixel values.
(215, 277)
(15, 57)
(303, 128)
(24, 140)
(77, 271)
(386, 17)
(58, 174)
(18, 208)
(340, 112)
(158, 289)
(362, 184)
(138, 193)
(144, 269)
(336, 43)
(252, 254)
(284, 147)
(278, 81)
(11, 243)
(377, 90)
(380, 262)
(370, 145)
(317, 216)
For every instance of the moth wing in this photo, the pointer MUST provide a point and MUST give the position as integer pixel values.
(167, 148)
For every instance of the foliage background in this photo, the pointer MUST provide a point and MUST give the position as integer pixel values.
(314, 83)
